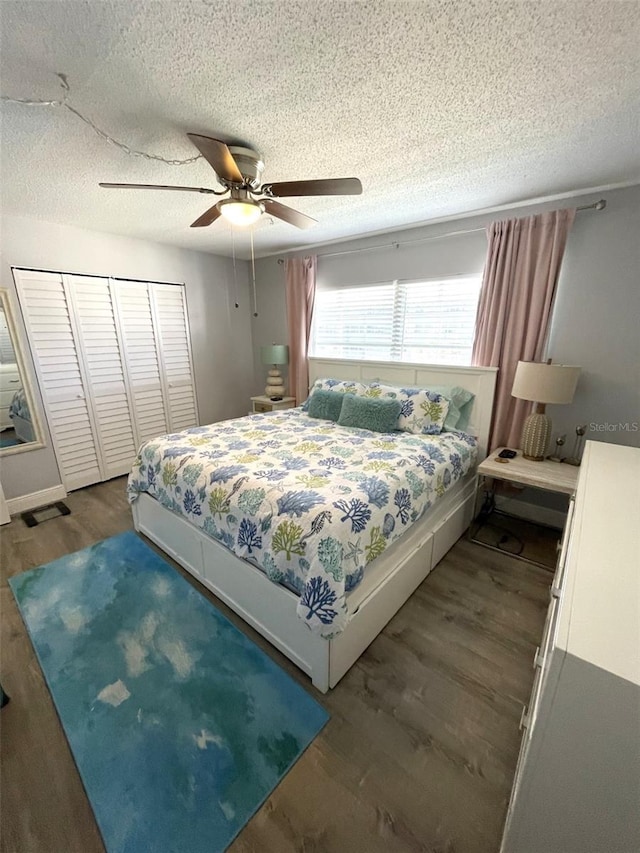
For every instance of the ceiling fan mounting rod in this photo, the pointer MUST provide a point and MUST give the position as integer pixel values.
(249, 164)
(240, 193)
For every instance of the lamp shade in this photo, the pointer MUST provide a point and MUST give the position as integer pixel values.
(545, 383)
(275, 354)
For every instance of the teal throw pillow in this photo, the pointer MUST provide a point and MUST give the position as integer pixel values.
(325, 405)
(376, 414)
(459, 405)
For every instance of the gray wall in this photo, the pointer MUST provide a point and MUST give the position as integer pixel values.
(220, 334)
(270, 326)
(596, 321)
(455, 255)
(595, 324)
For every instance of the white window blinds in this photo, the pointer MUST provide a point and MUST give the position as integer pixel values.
(429, 321)
(354, 322)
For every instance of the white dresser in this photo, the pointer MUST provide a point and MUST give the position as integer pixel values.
(577, 783)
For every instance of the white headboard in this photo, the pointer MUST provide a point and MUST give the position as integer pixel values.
(481, 381)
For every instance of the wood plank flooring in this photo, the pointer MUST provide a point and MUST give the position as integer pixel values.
(420, 751)
(536, 543)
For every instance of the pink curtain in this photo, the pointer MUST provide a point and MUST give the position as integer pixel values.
(300, 291)
(518, 288)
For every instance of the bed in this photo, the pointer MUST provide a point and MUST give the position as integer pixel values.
(21, 417)
(326, 551)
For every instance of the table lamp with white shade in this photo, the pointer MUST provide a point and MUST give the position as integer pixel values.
(542, 384)
(275, 354)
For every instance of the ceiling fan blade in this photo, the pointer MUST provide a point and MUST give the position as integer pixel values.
(217, 155)
(155, 187)
(328, 186)
(287, 214)
(207, 218)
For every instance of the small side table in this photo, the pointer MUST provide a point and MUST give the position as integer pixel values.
(550, 476)
(545, 475)
(266, 404)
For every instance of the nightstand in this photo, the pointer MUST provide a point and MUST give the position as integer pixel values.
(550, 476)
(545, 475)
(265, 404)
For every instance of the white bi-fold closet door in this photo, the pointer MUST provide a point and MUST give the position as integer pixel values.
(113, 361)
(140, 339)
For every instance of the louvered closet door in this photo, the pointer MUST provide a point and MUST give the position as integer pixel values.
(100, 351)
(170, 311)
(142, 359)
(61, 377)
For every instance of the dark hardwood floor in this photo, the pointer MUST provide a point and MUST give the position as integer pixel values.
(420, 751)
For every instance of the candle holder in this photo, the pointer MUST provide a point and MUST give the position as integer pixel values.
(557, 456)
(576, 457)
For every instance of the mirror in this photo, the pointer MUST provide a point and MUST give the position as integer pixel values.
(19, 422)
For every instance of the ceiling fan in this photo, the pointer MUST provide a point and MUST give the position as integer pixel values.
(239, 170)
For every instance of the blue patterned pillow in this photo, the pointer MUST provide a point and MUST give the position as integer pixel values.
(340, 386)
(422, 412)
(377, 415)
(325, 404)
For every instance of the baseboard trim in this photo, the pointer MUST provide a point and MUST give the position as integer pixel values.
(532, 512)
(36, 499)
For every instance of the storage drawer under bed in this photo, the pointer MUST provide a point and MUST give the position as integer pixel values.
(451, 529)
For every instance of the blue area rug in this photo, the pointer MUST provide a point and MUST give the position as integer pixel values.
(180, 726)
(8, 442)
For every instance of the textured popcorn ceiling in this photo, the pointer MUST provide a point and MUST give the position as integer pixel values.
(438, 107)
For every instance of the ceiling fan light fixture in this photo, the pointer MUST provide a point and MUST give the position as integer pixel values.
(241, 212)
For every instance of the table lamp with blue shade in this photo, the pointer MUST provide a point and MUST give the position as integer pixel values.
(275, 354)
(542, 384)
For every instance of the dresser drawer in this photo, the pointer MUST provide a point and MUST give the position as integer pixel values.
(541, 664)
(550, 630)
(262, 407)
(540, 656)
(522, 756)
(563, 547)
(530, 711)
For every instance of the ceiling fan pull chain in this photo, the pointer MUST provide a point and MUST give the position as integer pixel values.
(253, 273)
(235, 276)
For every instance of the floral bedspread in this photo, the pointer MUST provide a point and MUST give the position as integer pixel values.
(19, 406)
(308, 501)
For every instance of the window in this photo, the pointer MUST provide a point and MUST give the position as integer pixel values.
(429, 322)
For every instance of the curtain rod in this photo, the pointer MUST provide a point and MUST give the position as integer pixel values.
(597, 205)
